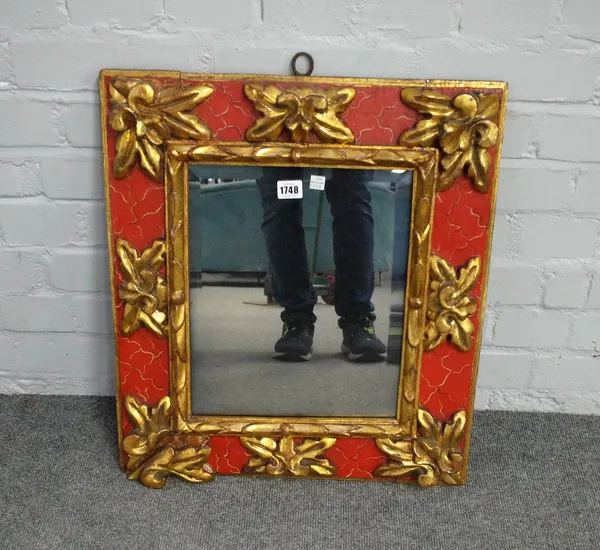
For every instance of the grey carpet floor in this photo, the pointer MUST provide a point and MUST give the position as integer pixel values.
(534, 483)
(233, 368)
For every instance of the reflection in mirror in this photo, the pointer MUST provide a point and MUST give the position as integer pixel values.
(297, 289)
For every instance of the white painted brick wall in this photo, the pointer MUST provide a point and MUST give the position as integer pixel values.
(59, 363)
(88, 263)
(515, 284)
(587, 198)
(532, 75)
(506, 370)
(228, 15)
(38, 313)
(503, 241)
(541, 337)
(17, 119)
(534, 188)
(21, 271)
(72, 63)
(82, 125)
(33, 14)
(19, 179)
(572, 374)
(580, 18)
(582, 129)
(528, 328)
(586, 333)
(593, 298)
(549, 236)
(74, 177)
(42, 223)
(501, 20)
(518, 137)
(567, 289)
(130, 15)
(5, 70)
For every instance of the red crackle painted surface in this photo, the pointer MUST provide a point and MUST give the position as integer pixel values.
(376, 116)
(227, 111)
(137, 206)
(460, 231)
(355, 458)
(228, 455)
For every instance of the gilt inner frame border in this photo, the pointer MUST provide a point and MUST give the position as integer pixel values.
(422, 163)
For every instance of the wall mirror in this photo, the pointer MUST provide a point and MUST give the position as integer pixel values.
(299, 269)
(262, 265)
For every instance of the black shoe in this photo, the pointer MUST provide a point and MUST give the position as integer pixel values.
(360, 342)
(296, 341)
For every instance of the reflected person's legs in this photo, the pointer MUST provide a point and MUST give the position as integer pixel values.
(284, 237)
(353, 243)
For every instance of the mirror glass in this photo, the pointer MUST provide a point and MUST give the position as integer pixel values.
(297, 280)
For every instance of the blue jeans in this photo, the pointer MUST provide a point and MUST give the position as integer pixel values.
(353, 241)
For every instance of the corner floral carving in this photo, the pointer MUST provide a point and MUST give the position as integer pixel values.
(449, 304)
(434, 455)
(144, 290)
(146, 116)
(284, 456)
(154, 455)
(463, 128)
(150, 426)
(188, 463)
(300, 111)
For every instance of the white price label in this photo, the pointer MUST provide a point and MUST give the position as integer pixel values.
(317, 182)
(289, 189)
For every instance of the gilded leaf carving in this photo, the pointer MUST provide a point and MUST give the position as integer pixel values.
(434, 456)
(300, 111)
(449, 304)
(277, 153)
(144, 289)
(154, 455)
(463, 127)
(150, 426)
(177, 284)
(284, 456)
(145, 116)
(188, 463)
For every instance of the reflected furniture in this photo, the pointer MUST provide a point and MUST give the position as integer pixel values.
(234, 208)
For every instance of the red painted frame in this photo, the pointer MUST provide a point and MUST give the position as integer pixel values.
(462, 229)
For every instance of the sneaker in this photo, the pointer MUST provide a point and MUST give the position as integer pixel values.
(296, 341)
(360, 343)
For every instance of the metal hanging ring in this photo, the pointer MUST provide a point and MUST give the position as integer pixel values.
(311, 64)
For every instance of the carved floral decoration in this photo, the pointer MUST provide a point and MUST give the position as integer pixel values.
(434, 455)
(144, 289)
(449, 304)
(154, 455)
(146, 116)
(151, 425)
(463, 128)
(300, 111)
(284, 456)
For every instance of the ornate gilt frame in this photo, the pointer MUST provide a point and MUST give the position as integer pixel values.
(154, 124)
